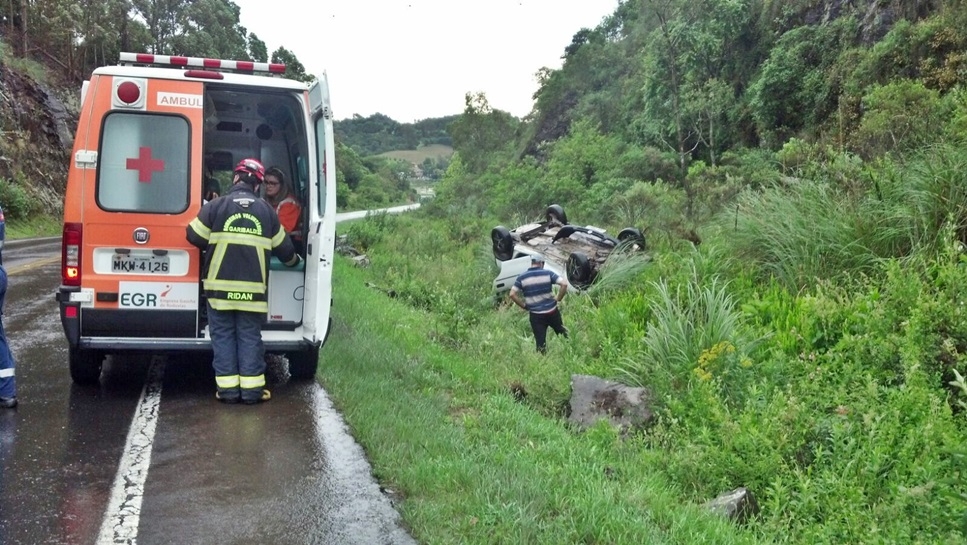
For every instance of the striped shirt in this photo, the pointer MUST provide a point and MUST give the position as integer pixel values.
(536, 285)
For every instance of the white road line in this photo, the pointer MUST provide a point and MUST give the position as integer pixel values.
(120, 525)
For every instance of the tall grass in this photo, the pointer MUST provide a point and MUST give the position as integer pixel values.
(471, 462)
(802, 231)
(811, 350)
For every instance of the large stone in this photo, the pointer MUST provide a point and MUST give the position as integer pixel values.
(737, 505)
(593, 399)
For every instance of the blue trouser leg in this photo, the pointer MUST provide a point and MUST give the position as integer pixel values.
(221, 329)
(8, 379)
(251, 354)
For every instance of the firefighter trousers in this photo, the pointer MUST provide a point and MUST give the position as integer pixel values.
(238, 354)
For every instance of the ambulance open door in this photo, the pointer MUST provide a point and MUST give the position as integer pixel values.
(321, 242)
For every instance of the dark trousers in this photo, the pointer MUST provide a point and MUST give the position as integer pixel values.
(8, 379)
(238, 354)
(540, 323)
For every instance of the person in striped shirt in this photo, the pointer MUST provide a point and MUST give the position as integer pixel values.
(534, 292)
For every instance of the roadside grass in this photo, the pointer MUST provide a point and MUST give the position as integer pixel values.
(468, 462)
(838, 406)
(34, 226)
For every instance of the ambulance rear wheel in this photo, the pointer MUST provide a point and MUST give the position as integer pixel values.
(85, 365)
(303, 364)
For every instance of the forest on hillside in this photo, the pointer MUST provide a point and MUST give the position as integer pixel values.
(379, 133)
(799, 170)
(710, 97)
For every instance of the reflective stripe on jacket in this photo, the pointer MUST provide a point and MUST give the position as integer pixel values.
(239, 232)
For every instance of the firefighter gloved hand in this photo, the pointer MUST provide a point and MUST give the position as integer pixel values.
(295, 262)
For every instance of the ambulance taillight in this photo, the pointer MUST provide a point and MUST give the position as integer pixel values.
(71, 255)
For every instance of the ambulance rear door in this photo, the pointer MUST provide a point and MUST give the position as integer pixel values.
(321, 242)
(141, 272)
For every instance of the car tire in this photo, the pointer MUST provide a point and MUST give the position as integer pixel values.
(303, 364)
(85, 365)
(579, 270)
(555, 212)
(632, 235)
(503, 243)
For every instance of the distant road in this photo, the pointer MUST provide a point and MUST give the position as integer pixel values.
(343, 216)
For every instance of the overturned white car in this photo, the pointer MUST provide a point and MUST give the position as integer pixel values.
(572, 251)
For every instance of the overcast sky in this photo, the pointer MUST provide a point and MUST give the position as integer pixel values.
(416, 59)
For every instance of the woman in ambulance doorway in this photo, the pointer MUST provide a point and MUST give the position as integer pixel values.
(279, 193)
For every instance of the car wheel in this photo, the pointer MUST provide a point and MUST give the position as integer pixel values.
(555, 212)
(579, 271)
(632, 235)
(503, 243)
(303, 364)
(85, 365)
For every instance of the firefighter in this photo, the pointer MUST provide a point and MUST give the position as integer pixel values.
(238, 231)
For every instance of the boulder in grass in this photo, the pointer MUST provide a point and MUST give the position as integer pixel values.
(593, 399)
(737, 505)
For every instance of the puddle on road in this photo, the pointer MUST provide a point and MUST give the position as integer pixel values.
(349, 469)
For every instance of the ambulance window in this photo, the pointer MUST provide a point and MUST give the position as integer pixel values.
(143, 163)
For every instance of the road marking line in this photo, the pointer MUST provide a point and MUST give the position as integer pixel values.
(120, 524)
(33, 265)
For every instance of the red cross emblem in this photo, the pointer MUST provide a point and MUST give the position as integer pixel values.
(145, 165)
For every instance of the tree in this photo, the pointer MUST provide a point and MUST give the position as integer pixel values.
(293, 68)
(163, 19)
(210, 28)
(793, 90)
(257, 50)
(482, 134)
(706, 108)
(898, 117)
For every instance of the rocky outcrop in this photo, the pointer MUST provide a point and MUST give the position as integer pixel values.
(36, 136)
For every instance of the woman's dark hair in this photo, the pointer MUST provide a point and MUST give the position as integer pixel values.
(284, 189)
(277, 172)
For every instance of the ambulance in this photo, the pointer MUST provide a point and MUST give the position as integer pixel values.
(155, 133)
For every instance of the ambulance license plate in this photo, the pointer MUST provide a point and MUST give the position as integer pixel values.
(140, 264)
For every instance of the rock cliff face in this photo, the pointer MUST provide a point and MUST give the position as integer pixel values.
(876, 17)
(37, 124)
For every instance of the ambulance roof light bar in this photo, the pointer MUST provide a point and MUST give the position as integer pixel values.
(276, 69)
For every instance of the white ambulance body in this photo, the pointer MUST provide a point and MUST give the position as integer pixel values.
(152, 133)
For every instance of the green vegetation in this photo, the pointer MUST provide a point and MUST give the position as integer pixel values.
(800, 324)
(799, 171)
(838, 403)
(378, 133)
(424, 381)
(36, 226)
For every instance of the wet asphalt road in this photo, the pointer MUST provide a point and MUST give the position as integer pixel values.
(283, 472)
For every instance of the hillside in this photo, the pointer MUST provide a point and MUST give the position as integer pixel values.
(378, 133)
(422, 153)
(37, 122)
